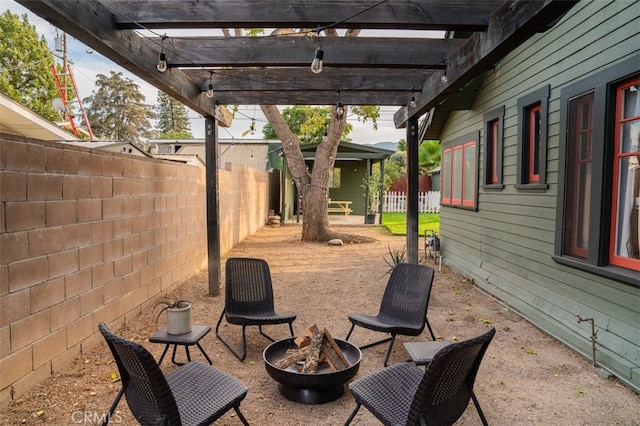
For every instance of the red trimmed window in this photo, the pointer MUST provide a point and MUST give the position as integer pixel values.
(533, 142)
(459, 171)
(579, 176)
(624, 248)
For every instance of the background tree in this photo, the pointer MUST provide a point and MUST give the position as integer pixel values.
(429, 156)
(309, 123)
(173, 119)
(25, 66)
(117, 111)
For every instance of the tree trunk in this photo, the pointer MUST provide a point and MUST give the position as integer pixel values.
(313, 187)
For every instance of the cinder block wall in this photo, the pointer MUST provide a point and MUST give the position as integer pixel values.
(89, 236)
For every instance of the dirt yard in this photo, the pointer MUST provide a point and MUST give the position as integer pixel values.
(526, 377)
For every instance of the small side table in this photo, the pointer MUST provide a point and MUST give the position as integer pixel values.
(422, 353)
(186, 340)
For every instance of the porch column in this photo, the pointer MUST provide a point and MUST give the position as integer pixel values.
(213, 212)
(412, 190)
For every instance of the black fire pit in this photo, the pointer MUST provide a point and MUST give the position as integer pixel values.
(323, 386)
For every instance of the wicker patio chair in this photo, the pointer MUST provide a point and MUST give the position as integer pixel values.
(403, 310)
(405, 394)
(249, 300)
(194, 394)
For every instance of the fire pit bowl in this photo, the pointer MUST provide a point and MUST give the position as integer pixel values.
(323, 386)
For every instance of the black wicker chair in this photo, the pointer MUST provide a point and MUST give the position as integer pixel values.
(405, 394)
(194, 394)
(404, 306)
(249, 300)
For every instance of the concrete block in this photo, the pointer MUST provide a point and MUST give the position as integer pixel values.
(123, 266)
(76, 235)
(65, 358)
(113, 289)
(101, 187)
(63, 263)
(47, 294)
(75, 187)
(113, 249)
(25, 215)
(89, 210)
(44, 186)
(122, 227)
(90, 164)
(101, 231)
(91, 255)
(25, 156)
(15, 366)
(13, 186)
(45, 241)
(50, 346)
(101, 273)
(112, 208)
(14, 246)
(91, 300)
(62, 212)
(112, 166)
(28, 272)
(79, 330)
(77, 283)
(28, 330)
(64, 313)
(5, 342)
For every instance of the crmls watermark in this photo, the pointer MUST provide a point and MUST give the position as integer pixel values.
(95, 417)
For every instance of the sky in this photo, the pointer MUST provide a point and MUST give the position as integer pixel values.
(86, 66)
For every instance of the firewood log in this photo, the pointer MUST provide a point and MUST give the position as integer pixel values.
(313, 357)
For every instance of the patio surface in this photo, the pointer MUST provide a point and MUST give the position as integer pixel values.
(526, 378)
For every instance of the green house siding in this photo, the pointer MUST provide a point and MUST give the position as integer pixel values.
(506, 245)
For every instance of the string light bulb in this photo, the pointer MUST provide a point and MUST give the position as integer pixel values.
(316, 65)
(443, 77)
(412, 103)
(162, 62)
(252, 127)
(162, 57)
(339, 110)
(210, 87)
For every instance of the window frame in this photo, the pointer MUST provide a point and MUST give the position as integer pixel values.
(527, 105)
(603, 85)
(493, 149)
(449, 149)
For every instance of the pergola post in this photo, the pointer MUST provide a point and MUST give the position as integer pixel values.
(213, 217)
(412, 190)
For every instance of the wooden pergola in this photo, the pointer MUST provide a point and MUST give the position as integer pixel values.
(275, 69)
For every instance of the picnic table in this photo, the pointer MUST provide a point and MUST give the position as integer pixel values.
(334, 206)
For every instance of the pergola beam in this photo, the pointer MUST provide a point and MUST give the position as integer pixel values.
(453, 15)
(296, 51)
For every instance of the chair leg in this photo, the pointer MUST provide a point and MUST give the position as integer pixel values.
(233, 351)
(113, 406)
(386, 358)
(353, 414)
(430, 330)
(480, 413)
(240, 416)
(350, 331)
(368, 345)
(271, 338)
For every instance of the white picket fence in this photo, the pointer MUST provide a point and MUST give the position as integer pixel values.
(428, 202)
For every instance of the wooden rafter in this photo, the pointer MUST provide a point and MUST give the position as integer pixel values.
(454, 15)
